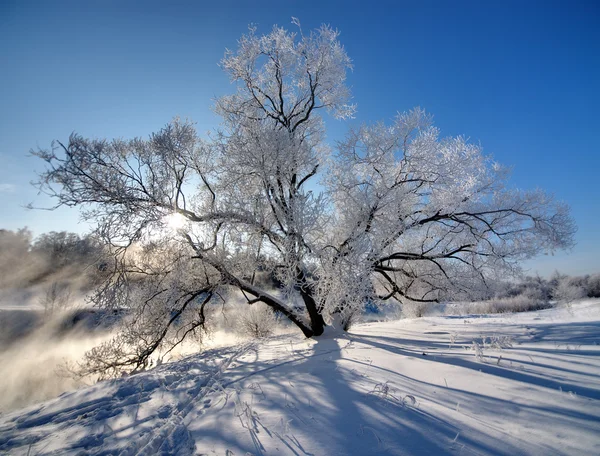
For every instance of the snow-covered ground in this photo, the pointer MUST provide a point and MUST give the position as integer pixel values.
(505, 384)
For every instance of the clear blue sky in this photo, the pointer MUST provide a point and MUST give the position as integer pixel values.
(521, 78)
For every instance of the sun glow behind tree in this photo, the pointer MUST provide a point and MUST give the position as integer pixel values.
(404, 214)
(175, 221)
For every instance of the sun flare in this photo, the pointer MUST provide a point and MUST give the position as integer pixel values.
(175, 221)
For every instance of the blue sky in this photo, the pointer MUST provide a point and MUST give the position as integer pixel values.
(521, 78)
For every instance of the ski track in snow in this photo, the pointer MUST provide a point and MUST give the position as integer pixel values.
(172, 437)
(162, 432)
(476, 385)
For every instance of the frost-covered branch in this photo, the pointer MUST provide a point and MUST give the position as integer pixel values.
(400, 213)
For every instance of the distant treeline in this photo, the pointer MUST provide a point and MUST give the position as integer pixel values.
(559, 287)
(55, 259)
(25, 261)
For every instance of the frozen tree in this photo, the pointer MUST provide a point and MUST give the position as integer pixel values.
(15, 258)
(57, 297)
(62, 248)
(566, 289)
(396, 212)
(425, 216)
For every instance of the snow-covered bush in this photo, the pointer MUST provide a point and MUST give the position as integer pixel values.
(593, 286)
(519, 303)
(528, 299)
(411, 309)
(256, 321)
(534, 287)
(568, 290)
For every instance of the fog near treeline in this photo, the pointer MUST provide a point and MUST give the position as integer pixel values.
(43, 283)
(47, 324)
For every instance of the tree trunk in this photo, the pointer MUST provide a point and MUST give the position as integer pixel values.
(316, 319)
(306, 292)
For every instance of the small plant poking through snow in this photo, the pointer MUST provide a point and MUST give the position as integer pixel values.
(246, 414)
(385, 391)
(494, 342)
(453, 337)
(500, 342)
(478, 349)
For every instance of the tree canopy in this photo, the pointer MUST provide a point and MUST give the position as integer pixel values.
(394, 212)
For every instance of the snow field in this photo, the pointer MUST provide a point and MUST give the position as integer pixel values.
(503, 384)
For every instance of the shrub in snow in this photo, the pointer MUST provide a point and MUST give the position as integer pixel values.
(413, 309)
(567, 290)
(593, 286)
(525, 302)
(532, 299)
(535, 287)
(256, 321)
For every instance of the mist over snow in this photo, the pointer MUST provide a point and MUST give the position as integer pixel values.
(506, 384)
(40, 351)
(32, 368)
